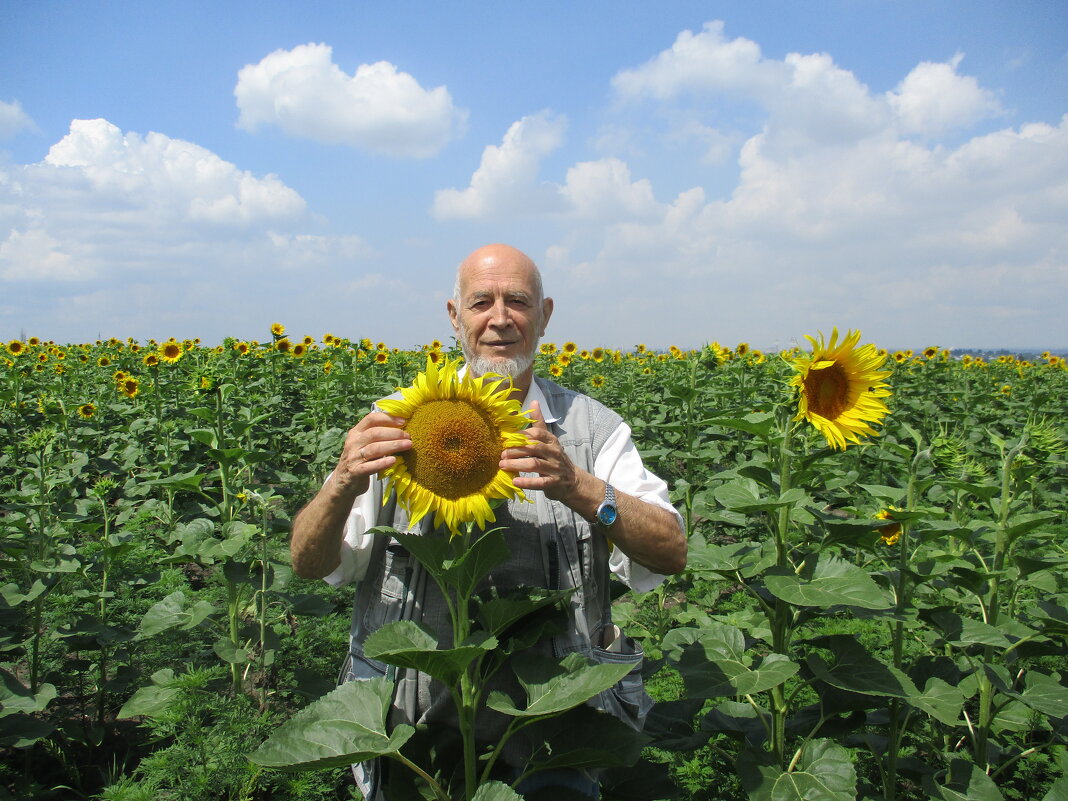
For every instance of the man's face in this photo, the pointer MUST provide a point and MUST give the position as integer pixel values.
(499, 318)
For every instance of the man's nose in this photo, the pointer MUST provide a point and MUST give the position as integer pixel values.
(501, 317)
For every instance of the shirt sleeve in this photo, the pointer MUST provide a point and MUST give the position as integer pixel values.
(356, 543)
(620, 464)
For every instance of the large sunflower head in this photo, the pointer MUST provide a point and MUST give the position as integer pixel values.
(171, 352)
(840, 388)
(459, 426)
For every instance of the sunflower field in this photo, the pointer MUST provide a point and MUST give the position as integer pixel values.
(875, 604)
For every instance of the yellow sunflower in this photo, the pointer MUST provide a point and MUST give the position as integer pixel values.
(459, 427)
(15, 347)
(278, 330)
(150, 359)
(597, 381)
(86, 411)
(891, 532)
(840, 388)
(129, 387)
(382, 357)
(171, 351)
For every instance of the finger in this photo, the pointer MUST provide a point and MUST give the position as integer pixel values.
(537, 416)
(376, 419)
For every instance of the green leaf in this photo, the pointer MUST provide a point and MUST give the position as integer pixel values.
(15, 697)
(823, 773)
(966, 781)
(344, 726)
(13, 595)
(961, 631)
(186, 481)
(1021, 524)
(498, 614)
(22, 730)
(496, 791)
(833, 582)
(172, 611)
(228, 651)
(1058, 791)
(854, 669)
(406, 644)
(149, 701)
(746, 558)
(553, 687)
(1043, 693)
(713, 663)
(741, 495)
(583, 738)
(758, 423)
(883, 493)
(940, 700)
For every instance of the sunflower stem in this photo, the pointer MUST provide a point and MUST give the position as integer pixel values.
(896, 729)
(780, 623)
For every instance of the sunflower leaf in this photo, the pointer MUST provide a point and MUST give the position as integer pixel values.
(406, 644)
(553, 687)
(833, 582)
(713, 663)
(345, 726)
(824, 773)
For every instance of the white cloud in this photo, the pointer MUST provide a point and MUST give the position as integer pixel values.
(506, 181)
(13, 119)
(699, 62)
(603, 190)
(34, 255)
(933, 99)
(104, 203)
(839, 214)
(378, 108)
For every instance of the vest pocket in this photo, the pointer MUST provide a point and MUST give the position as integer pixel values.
(627, 699)
(393, 589)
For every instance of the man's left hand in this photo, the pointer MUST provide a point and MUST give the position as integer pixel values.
(556, 475)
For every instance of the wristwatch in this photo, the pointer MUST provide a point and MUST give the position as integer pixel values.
(607, 511)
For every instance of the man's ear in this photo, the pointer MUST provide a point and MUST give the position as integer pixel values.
(454, 318)
(546, 313)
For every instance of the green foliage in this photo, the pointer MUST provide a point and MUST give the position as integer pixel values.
(152, 634)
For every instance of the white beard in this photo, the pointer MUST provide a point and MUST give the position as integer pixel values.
(511, 368)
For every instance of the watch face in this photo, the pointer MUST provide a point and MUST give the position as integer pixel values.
(606, 514)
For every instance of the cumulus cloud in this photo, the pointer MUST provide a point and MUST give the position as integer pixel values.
(933, 99)
(378, 108)
(13, 119)
(103, 203)
(506, 181)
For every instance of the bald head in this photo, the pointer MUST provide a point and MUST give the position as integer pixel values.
(494, 257)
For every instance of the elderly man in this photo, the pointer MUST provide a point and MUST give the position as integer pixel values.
(580, 467)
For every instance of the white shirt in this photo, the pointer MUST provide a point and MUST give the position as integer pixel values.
(618, 463)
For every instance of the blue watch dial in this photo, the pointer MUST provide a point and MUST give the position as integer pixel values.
(606, 514)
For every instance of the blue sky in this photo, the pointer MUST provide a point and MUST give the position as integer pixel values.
(683, 172)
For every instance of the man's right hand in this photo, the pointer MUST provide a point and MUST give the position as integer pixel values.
(370, 447)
